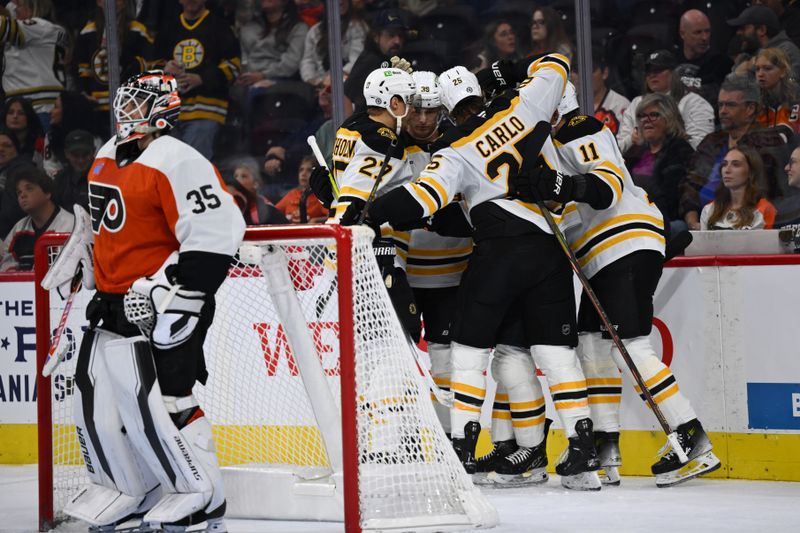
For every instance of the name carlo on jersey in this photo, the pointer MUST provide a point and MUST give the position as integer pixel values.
(106, 207)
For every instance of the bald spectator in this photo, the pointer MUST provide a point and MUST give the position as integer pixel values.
(758, 27)
(701, 68)
(789, 15)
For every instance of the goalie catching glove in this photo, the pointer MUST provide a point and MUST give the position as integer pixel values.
(172, 313)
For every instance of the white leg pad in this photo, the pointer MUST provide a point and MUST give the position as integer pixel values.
(603, 380)
(566, 381)
(121, 482)
(441, 369)
(468, 383)
(170, 455)
(513, 366)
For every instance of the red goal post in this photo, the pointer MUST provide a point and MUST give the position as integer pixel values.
(397, 469)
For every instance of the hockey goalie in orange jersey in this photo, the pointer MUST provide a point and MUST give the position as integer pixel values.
(164, 231)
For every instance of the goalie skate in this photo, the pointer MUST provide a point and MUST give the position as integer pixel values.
(487, 463)
(607, 444)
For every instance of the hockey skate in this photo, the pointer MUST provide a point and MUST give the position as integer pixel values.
(486, 464)
(525, 466)
(670, 471)
(465, 448)
(214, 522)
(607, 445)
(578, 465)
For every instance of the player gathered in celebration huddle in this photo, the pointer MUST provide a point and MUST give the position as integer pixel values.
(495, 171)
(157, 245)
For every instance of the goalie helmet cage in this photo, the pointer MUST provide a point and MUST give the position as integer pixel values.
(382, 462)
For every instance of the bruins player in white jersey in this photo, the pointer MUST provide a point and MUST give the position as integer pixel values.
(516, 266)
(620, 245)
(164, 231)
(435, 262)
(369, 144)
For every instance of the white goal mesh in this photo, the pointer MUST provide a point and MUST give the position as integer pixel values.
(277, 355)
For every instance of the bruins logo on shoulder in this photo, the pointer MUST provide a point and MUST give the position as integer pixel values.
(574, 121)
(386, 132)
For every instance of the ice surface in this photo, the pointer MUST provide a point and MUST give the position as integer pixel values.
(699, 505)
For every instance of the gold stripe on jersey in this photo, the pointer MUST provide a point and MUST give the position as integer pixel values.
(626, 235)
(557, 62)
(621, 219)
(230, 68)
(425, 196)
(610, 173)
(423, 262)
(9, 32)
(443, 200)
(496, 121)
(142, 30)
(196, 23)
(557, 217)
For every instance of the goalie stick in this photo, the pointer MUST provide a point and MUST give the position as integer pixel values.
(54, 355)
(672, 437)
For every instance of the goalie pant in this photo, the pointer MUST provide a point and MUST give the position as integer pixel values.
(164, 464)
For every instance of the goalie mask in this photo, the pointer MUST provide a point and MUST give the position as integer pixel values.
(146, 103)
(384, 83)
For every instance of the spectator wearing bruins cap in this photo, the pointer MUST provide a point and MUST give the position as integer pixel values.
(758, 27)
(71, 183)
(661, 77)
(386, 39)
(34, 193)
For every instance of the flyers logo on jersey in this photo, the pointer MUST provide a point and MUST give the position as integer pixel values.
(106, 207)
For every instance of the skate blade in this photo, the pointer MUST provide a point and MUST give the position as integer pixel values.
(586, 481)
(698, 466)
(482, 479)
(609, 475)
(537, 476)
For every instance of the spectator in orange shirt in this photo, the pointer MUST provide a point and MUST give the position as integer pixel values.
(738, 202)
(300, 205)
(780, 101)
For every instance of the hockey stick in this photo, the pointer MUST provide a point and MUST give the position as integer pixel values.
(312, 142)
(374, 192)
(672, 437)
(54, 355)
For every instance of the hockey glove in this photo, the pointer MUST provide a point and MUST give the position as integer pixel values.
(177, 311)
(322, 184)
(544, 183)
(402, 64)
(384, 255)
(496, 78)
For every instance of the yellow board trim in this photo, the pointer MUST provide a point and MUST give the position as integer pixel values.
(758, 456)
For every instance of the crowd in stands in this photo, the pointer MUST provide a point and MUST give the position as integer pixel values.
(702, 95)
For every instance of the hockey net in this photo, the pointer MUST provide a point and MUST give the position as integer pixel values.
(317, 406)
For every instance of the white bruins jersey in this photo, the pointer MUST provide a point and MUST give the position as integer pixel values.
(358, 153)
(484, 151)
(631, 223)
(434, 261)
(33, 50)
